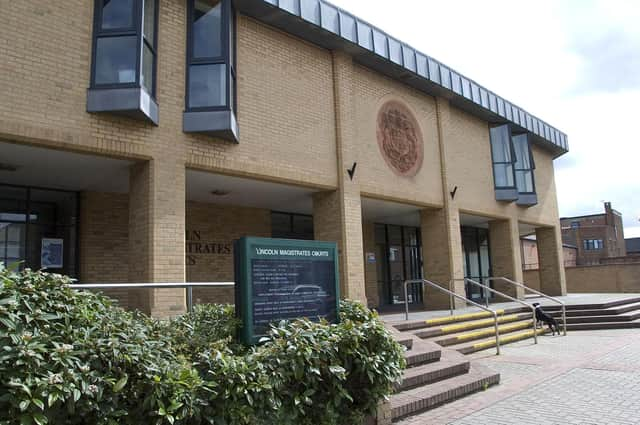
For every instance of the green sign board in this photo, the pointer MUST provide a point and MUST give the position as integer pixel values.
(284, 279)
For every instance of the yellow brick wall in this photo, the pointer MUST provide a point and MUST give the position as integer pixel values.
(104, 243)
(218, 226)
(375, 177)
(370, 269)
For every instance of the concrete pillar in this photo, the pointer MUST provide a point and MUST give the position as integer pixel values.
(551, 263)
(157, 234)
(337, 217)
(442, 256)
(506, 258)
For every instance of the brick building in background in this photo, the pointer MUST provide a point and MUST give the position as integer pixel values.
(596, 236)
(139, 139)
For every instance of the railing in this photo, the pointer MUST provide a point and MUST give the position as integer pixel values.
(451, 295)
(509, 297)
(526, 288)
(189, 287)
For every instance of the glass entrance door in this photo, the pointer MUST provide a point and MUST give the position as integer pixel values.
(400, 254)
(477, 260)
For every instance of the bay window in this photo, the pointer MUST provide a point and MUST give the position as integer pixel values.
(524, 167)
(211, 75)
(123, 71)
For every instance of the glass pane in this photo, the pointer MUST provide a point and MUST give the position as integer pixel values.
(303, 227)
(117, 14)
(147, 69)
(280, 225)
(13, 203)
(116, 60)
(149, 20)
(503, 175)
(207, 29)
(395, 235)
(12, 242)
(53, 207)
(380, 234)
(396, 268)
(521, 147)
(207, 85)
(500, 144)
(410, 236)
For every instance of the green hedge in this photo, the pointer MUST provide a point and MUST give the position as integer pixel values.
(70, 357)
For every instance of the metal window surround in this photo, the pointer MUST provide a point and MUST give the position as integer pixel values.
(326, 25)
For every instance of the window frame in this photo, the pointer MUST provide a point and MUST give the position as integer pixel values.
(137, 31)
(226, 58)
(494, 162)
(291, 232)
(532, 165)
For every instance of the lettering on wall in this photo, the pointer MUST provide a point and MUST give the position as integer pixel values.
(197, 247)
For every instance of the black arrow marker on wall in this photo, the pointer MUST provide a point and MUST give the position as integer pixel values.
(453, 192)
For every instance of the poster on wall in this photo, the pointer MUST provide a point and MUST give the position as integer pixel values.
(284, 279)
(51, 253)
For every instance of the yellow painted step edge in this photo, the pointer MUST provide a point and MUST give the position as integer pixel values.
(469, 316)
(489, 332)
(465, 326)
(507, 339)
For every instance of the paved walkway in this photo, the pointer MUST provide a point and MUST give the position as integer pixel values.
(588, 377)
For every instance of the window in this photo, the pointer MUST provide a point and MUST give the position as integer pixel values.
(211, 75)
(123, 71)
(503, 160)
(524, 164)
(575, 224)
(291, 226)
(38, 228)
(593, 244)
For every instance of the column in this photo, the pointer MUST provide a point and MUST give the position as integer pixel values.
(157, 234)
(442, 257)
(551, 263)
(506, 259)
(337, 217)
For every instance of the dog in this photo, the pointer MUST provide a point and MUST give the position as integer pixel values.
(541, 316)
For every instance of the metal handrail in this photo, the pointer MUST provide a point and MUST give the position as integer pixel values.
(452, 294)
(509, 297)
(452, 281)
(526, 288)
(189, 287)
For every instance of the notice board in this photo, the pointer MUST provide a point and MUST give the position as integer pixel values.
(284, 279)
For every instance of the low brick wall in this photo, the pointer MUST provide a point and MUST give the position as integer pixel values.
(604, 278)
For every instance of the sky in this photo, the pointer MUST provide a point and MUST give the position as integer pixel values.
(573, 63)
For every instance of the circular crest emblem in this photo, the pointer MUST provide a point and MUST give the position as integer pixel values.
(399, 138)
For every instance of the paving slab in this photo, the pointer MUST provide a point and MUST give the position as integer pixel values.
(587, 377)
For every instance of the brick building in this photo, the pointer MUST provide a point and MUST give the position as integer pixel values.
(596, 236)
(138, 139)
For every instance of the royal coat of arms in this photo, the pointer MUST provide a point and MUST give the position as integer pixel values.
(399, 138)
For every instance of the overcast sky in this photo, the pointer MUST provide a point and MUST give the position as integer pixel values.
(574, 64)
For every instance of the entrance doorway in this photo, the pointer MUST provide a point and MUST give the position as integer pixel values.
(477, 259)
(400, 252)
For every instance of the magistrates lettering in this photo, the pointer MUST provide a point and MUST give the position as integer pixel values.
(196, 246)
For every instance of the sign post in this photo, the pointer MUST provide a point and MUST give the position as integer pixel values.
(284, 279)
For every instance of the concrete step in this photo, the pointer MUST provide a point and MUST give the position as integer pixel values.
(422, 352)
(446, 320)
(432, 372)
(470, 325)
(468, 348)
(416, 400)
(593, 306)
(603, 325)
(598, 319)
(598, 312)
(466, 336)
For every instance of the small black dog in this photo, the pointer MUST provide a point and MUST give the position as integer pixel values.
(541, 316)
